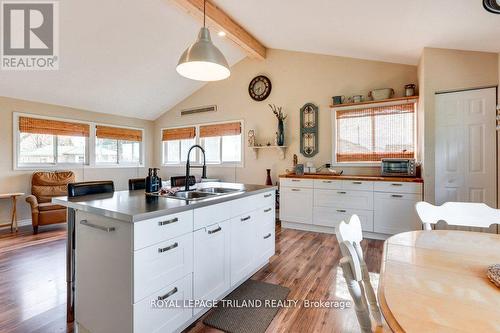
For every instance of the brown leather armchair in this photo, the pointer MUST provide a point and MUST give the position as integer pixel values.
(45, 186)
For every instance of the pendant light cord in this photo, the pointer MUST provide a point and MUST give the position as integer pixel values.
(204, 15)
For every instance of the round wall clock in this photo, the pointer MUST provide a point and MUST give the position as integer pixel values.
(259, 88)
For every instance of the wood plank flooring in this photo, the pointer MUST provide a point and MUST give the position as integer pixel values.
(33, 281)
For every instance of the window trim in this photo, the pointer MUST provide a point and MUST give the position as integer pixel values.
(197, 140)
(379, 104)
(89, 149)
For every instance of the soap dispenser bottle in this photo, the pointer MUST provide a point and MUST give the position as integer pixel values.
(156, 181)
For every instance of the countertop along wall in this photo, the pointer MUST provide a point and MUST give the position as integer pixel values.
(447, 70)
(297, 78)
(20, 181)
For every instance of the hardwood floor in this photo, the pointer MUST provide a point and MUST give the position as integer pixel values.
(33, 281)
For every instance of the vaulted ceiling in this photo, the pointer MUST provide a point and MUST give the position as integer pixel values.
(119, 57)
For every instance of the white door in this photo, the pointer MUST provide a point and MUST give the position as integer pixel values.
(296, 205)
(466, 147)
(211, 262)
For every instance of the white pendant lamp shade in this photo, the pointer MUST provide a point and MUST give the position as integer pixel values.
(203, 61)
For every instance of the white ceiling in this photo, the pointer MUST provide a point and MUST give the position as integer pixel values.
(386, 30)
(119, 57)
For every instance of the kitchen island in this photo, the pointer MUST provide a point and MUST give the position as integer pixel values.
(143, 263)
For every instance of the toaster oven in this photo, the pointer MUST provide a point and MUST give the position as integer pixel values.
(399, 167)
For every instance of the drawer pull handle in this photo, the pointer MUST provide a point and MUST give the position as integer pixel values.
(396, 196)
(214, 231)
(295, 180)
(267, 195)
(327, 181)
(341, 192)
(96, 226)
(267, 210)
(167, 295)
(295, 190)
(341, 210)
(168, 221)
(357, 183)
(267, 236)
(168, 248)
(243, 219)
(396, 184)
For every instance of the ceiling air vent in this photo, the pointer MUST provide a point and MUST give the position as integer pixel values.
(492, 6)
(208, 108)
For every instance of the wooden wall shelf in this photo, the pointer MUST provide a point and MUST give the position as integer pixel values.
(281, 150)
(396, 99)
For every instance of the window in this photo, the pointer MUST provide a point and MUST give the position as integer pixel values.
(51, 142)
(372, 133)
(118, 145)
(221, 142)
(43, 142)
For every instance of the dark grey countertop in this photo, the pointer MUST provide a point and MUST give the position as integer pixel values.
(133, 206)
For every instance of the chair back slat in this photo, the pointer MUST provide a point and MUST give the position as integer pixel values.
(465, 214)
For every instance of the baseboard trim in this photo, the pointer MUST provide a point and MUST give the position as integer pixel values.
(328, 230)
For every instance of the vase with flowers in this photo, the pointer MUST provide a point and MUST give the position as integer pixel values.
(280, 136)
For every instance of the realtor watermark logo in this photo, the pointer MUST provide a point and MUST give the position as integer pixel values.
(30, 35)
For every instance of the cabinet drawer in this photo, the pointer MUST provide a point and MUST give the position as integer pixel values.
(267, 199)
(296, 182)
(328, 184)
(212, 214)
(331, 217)
(395, 213)
(398, 187)
(296, 204)
(265, 239)
(160, 229)
(147, 318)
(159, 265)
(344, 199)
(359, 185)
(245, 205)
(243, 245)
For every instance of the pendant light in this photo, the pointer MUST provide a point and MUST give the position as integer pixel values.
(203, 61)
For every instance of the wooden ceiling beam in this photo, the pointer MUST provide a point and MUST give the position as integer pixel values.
(220, 21)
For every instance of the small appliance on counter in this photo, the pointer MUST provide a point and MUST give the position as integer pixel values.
(153, 181)
(399, 167)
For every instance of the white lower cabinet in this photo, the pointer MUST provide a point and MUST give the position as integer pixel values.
(211, 262)
(266, 237)
(243, 245)
(296, 204)
(165, 310)
(395, 212)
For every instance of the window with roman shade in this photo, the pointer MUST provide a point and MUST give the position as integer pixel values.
(43, 141)
(176, 143)
(225, 129)
(118, 145)
(371, 133)
(173, 134)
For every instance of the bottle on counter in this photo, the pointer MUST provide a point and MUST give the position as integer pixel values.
(153, 181)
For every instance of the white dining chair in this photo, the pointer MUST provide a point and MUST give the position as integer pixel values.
(350, 235)
(465, 214)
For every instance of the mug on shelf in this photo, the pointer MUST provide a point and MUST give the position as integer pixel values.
(338, 99)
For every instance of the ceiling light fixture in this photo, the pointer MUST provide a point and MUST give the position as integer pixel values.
(493, 6)
(221, 33)
(203, 61)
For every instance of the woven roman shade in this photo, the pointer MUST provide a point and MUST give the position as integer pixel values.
(118, 133)
(220, 129)
(52, 127)
(183, 133)
(372, 133)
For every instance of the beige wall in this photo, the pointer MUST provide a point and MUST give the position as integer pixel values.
(443, 70)
(297, 78)
(19, 181)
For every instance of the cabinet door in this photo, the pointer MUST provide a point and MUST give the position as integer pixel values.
(296, 204)
(266, 234)
(243, 245)
(211, 261)
(395, 213)
(344, 198)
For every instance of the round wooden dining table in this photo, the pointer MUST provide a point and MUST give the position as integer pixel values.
(435, 281)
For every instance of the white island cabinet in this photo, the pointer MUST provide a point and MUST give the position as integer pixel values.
(124, 269)
(384, 206)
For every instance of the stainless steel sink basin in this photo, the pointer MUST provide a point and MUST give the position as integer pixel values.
(191, 195)
(218, 190)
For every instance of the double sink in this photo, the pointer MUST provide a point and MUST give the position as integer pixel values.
(203, 193)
